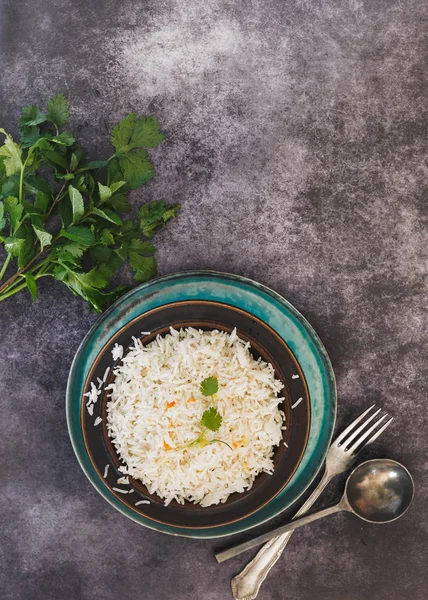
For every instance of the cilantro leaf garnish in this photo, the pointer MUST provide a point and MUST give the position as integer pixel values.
(136, 132)
(136, 167)
(122, 133)
(11, 153)
(58, 111)
(209, 387)
(77, 204)
(155, 215)
(146, 133)
(62, 216)
(211, 419)
(14, 208)
(31, 116)
(130, 139)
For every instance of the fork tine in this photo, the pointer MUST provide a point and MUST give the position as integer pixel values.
(365, 435)
(352, 425)
(357, 432)
(378, 433)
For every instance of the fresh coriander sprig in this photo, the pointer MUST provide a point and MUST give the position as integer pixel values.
(63, 216)
(211, 419)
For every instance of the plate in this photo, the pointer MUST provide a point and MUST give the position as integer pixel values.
(263, 304)
(265, 343)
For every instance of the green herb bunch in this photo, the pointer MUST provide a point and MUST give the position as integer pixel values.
(63, 216)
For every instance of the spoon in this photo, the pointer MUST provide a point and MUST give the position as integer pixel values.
(377, 491)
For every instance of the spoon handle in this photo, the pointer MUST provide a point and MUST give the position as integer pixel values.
(246, 585)
(265, 537)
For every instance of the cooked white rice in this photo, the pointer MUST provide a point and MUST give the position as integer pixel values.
(298, 401)
(123, 481)
(121, 491)
(117, 351)
(156, 406)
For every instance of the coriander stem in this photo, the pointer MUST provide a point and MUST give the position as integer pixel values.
(21, 178)
(45, 263)
(15, 283)
(40, 267)
(12, 279)
(221, 442)
(21, 182)
(195, 442)
(13, 291)
(54, 203)
(16, 287)
(5, 265)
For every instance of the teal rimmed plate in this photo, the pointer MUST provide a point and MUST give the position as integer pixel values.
(265, 305)
(265, 344)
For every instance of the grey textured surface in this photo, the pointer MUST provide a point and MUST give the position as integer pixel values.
(297, 141)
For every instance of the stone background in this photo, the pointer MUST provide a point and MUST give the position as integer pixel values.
(297, 147)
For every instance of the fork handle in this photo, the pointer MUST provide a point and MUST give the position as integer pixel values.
(246, 585)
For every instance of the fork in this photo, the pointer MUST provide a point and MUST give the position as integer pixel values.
(341, 455)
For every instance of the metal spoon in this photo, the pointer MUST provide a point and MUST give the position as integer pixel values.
(377, 491)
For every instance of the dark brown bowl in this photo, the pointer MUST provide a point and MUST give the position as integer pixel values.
(264, 342)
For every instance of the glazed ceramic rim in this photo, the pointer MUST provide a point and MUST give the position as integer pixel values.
(117, 334)
(232, 279)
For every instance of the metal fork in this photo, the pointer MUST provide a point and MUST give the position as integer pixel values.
(340, 457)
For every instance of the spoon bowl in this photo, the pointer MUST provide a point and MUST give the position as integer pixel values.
(379, 491)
